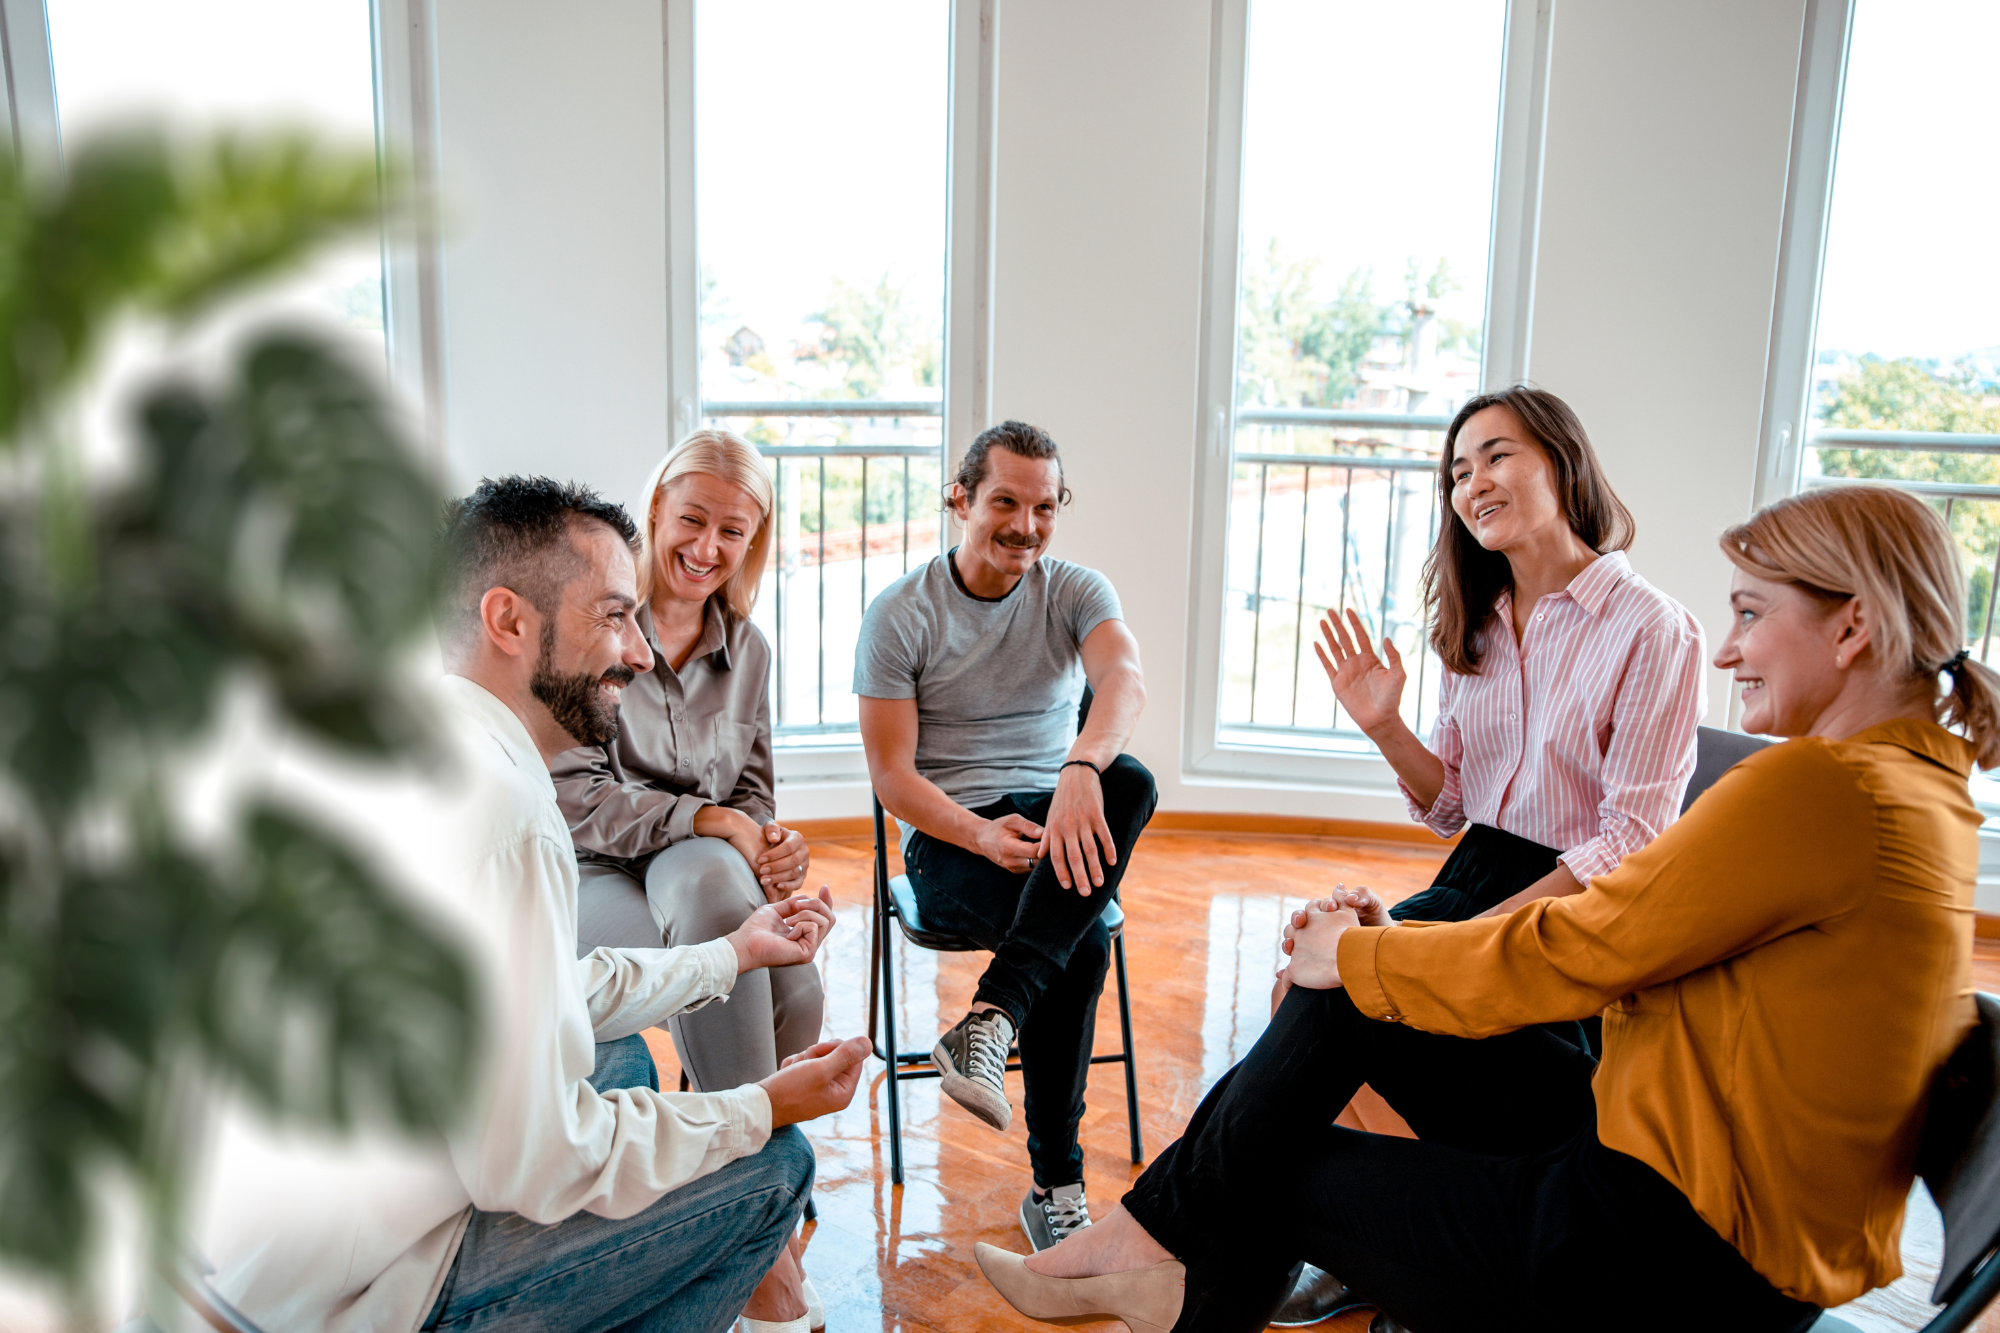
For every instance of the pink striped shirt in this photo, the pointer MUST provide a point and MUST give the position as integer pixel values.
(1581, 737)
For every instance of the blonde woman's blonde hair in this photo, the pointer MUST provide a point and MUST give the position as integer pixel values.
(726, 456)
(1890, 551)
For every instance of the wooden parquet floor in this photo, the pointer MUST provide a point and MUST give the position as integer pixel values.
(1203, 914)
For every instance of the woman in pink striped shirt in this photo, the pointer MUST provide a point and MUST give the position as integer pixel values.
(1566, 718)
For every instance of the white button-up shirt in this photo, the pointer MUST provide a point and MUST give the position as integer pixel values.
(537, 1139)
(1580, 737)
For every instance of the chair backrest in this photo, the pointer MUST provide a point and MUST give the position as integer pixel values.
(1959, 1157)
(1715, 753)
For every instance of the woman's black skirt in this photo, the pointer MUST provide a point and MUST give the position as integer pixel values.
(1488, 867)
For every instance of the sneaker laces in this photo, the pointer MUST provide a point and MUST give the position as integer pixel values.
(1066, 1213)
(986, 1047)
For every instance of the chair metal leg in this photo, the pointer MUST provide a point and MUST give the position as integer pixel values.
(1131, 1059)
(888, 947)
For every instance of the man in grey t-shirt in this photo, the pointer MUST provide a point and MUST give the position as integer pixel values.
(1017, 825)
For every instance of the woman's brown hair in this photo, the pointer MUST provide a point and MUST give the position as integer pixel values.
(1462, 579)
(1891, 552)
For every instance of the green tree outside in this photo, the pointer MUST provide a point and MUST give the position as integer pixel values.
(1905, 394)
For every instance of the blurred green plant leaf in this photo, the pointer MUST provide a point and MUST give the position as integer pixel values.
(279, 529)
(139, 223)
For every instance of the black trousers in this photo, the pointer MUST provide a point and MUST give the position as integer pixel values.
(1506, 1213)
(1050, 952)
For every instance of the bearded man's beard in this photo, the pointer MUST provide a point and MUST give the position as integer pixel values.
(575, 701)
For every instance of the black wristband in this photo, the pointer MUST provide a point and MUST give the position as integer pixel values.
(1086, 763)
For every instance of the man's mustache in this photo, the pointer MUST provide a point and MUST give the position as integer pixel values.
(620, 675)
(1018, 543)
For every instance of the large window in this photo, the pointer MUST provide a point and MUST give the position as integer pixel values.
(1369, 147)
(1905, 371)
(232, 65)
(821, 188)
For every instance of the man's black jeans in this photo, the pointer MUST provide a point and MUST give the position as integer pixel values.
(1050, 951)
(1507, 1212)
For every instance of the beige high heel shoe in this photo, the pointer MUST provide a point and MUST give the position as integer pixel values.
(1147, 1299)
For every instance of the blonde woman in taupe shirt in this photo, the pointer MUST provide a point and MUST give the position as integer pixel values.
(673, 820)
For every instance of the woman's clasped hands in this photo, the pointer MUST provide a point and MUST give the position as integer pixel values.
(1312, 937)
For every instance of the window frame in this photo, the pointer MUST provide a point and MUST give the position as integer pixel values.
(966, 409)
(1512, 245)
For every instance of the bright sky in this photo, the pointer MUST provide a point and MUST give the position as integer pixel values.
(239, 63)
(215, 60)
(1369, 138)
(1912, 264)
(821, 153)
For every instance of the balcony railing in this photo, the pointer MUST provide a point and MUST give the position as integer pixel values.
(857, 507)
(1329, 508)
(1971, 510)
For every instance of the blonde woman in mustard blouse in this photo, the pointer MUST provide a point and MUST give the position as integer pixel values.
(1782, 971)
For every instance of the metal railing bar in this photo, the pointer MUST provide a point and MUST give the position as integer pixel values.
(906, 514)
(828, 407)
(1280, 729)
(1346, 521)
(1333, 416)
(848, 450)
(1341, 460)
(1257, 586)
(1388, 559)
(1917, 441)
(1992, 595)
(1959, 490)
(1299, 614)
(864, 539)
(821, 635)
(820, 729)
(778, 649)
(1424, 628)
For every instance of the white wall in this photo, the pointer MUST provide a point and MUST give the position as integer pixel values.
(1666, 154)
(553, 152)
(1669, 129)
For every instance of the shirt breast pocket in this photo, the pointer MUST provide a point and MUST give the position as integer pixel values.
(733, 742)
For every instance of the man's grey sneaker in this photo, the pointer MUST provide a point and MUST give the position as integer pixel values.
(972, 1058)
(1055, 1216)
(1317, 1295)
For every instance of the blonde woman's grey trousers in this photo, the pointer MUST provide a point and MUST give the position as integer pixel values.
(697, 890)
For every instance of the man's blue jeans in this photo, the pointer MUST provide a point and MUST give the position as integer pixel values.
(689, 1262)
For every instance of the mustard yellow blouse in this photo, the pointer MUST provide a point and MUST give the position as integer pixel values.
(1780, 972)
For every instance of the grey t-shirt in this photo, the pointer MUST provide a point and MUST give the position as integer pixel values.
(996, 682)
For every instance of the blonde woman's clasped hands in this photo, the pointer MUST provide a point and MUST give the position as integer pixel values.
(1312, 938)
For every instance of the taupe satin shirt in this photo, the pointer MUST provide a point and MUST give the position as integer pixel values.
(688, 738)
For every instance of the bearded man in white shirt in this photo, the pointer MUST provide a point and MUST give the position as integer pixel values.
(576, 1195)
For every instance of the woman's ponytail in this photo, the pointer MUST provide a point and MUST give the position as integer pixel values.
(1972, 704)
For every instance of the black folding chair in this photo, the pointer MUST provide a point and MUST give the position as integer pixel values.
(1715, 753)
(1959, 1159)
(896, 901)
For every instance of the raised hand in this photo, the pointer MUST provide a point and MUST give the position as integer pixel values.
(1011, 842)
(1370, 688)
(783, 934)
